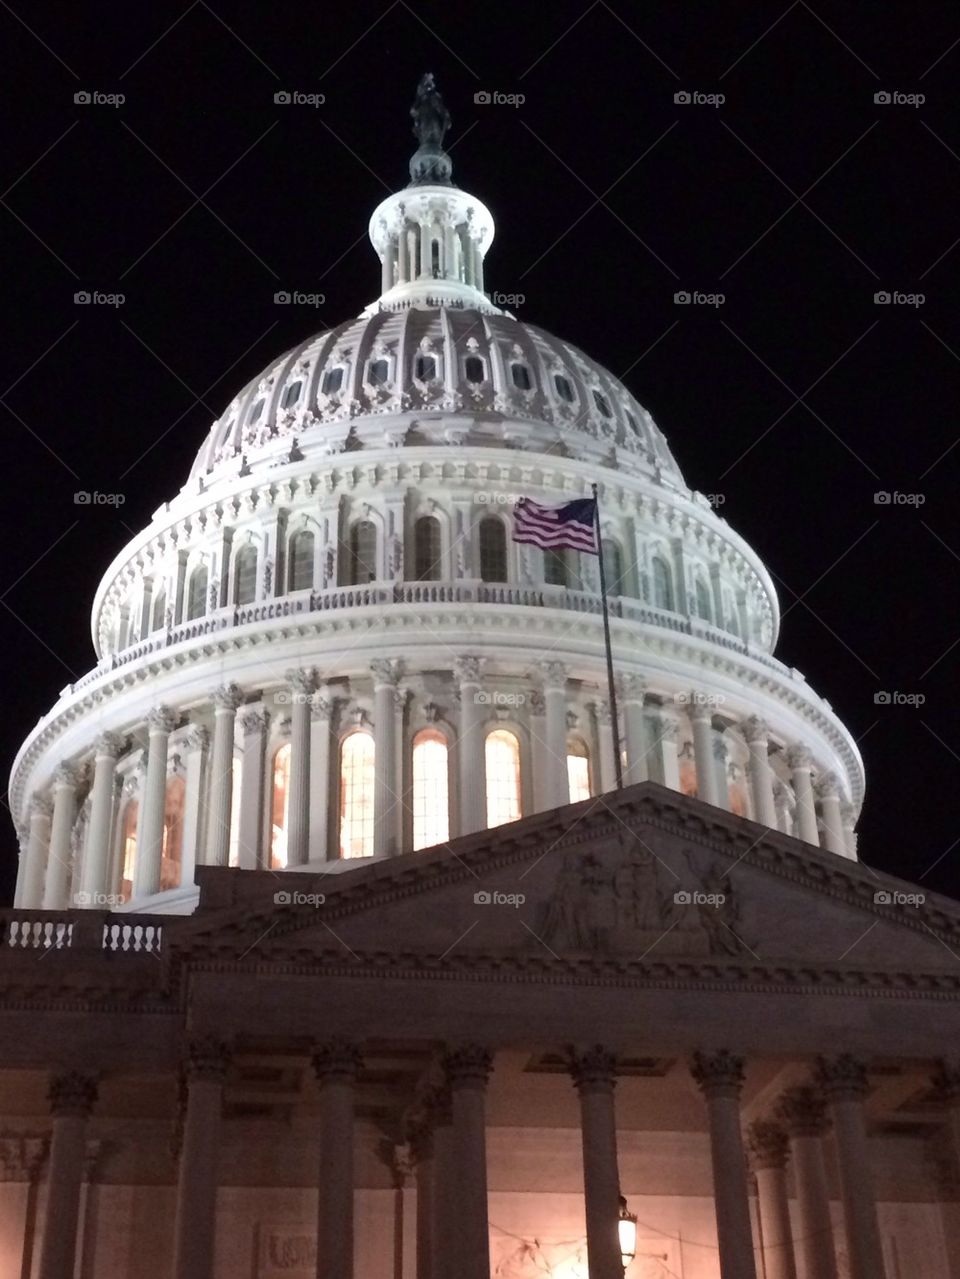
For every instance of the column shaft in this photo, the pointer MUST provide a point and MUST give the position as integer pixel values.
(253, 726)
(802, 1112)
(225, 701)
(72, 1096)
(190, 851)
(761, 774)
(798, 758)
(720, 1077)
(303, 684)
(557, 786)
(31, 888)
(608, 764)
(443, 1210)
(387, 806)
(93, 882)
(196, 1219)
(467, 1069)
(701, 719)
(60, 854)
(470, 748)
(153, 798)
(320, 780)
(336, 1065)
(844, 1080)
(594, 1073)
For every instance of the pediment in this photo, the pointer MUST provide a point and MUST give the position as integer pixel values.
(633, 878)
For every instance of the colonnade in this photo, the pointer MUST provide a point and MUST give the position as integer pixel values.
(779, 785)
(446, 1134)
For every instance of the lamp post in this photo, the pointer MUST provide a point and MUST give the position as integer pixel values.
(627, 1230)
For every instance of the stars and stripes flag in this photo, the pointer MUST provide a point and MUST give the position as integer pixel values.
(551, 528)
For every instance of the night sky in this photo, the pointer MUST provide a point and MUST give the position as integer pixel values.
(798, 198)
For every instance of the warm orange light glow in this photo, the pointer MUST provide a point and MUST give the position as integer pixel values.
(170, 856)
(578, 771)
(279, 809)
(356, 795)
(503, 777)
(431, 810)
(129, 848)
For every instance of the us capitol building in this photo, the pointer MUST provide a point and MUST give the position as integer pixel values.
(337, 953)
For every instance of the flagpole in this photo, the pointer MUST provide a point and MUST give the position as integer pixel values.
(611, 684)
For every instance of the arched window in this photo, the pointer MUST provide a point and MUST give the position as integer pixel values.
(556, 567)
(378, 372)
(172, 849)
(332, 381)
(431, 801)
(159, 610)
(128, 848)
(300, 572)
(435, 259)
(197, 594)
(502, 751)
(363, 552)
(578, 770)
(427, 552)
(356, 795)
(564, 387)
(425, 368)
(662, 588)
(255, 412)
(613, 565)
(473, 369)
(602, 403)
(521, 377)
(245, 575)
(279, 807)
(291, 395)
(493, 550)
(702, 593)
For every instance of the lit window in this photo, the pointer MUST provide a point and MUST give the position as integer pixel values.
(703, 600)
(473, 369)
(332, 381)
(431, 814)
(170, 855)
(578, 771)
(493, 550)
(233, 844)
(378, 372)
(602, 403)
(280, 807)
(356, 795)
(426, 538)
(521, 377)
(245, 579)
(128, 848)
(425, 368)
(256, 411)
(300, 573)
(363, 552)
(502, 752)
(197, 594)
(292, 394)
(613, 566)
(564, 387)
(662, 589)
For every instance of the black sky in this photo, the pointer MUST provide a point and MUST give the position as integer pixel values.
(798, 198)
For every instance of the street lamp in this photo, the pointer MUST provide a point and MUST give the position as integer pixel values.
(627, 1230)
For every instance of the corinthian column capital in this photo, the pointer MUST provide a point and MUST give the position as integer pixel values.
(798, 757)
(72, 1093)
(593, 1069)
(336, 1060)
(228, 697)
(802, 1111)
(755, 729)
(467, 1065)
(718, 1074)
(108, 745)
(162, 720)
(553, 674)
(469, 670)
(842, 1078)
(767, 1145)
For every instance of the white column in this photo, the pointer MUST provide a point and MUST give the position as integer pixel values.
(220, 789)
(336, 1064)
(827, 790)
(403, 255)
(31, 887)
(631, 692)
(781, 799)
(321, 714)
(253, 721)
(848, 819)
(608, 766)
(196, 1214)
(802, 1113)
(701, 717)
(844, 1083)
(303, 684)
(196, 742)
(800, 764)
(471, 747)
(93, 882)
(557, 786)
(387, 799)
(667, 760)
(720, 1077)
(72, 1097)
(721, 758)
(467, 1069)
(65, 782)
(424, 251)
(153, 799)
(539, 762)
(594, 1074)
(756, 733)
(768, 1146)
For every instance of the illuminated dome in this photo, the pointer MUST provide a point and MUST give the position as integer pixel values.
(328, 646)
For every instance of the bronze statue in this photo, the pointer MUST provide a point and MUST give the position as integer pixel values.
(430, 164)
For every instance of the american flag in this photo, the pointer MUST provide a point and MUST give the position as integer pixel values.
(572, 525)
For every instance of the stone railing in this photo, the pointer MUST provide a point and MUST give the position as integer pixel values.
(43, 930)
